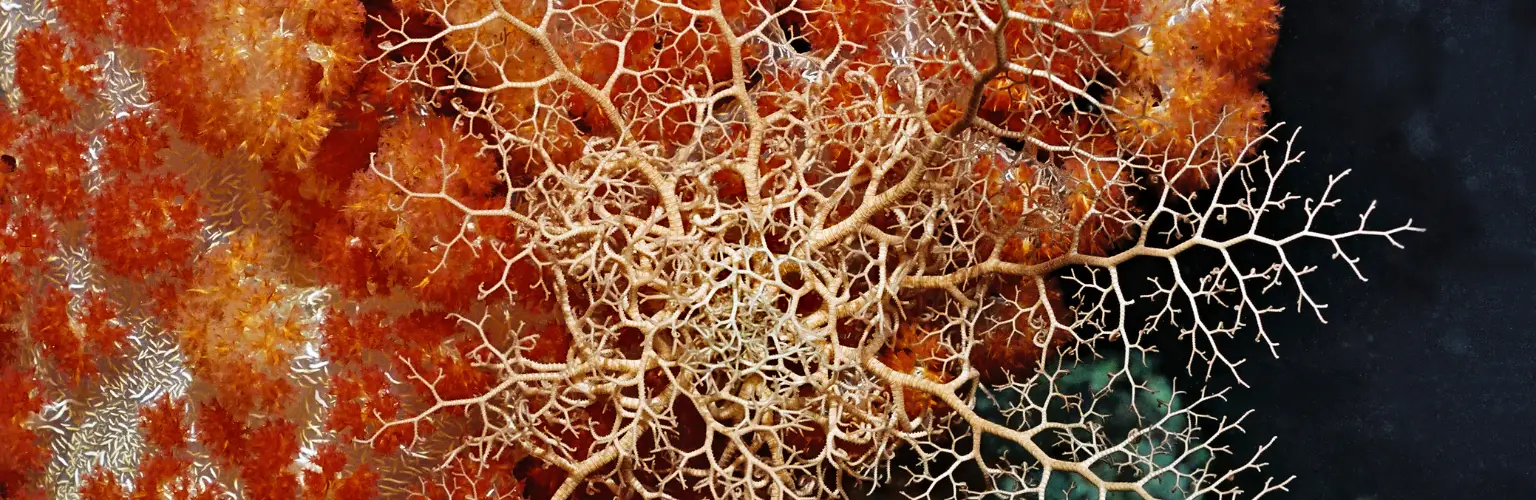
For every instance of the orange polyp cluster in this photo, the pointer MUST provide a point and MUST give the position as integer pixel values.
(346, 261)
(238, 328)
(32, 239)
(1095, 197)
(855, 26)
(173, 80)
(52, 171)
(1233, 37)
(87, 19)
(361, 398)
(361, 346)
(1008, 188)
(1014, 342)
(272, 447)
(157, 24)
(679, 53)
(219, 431)
(1097, 203)
(1198, 79)
(10, 309)
(144, 227)
(919, 352)
(54, 333)
(103, 485)
(348, 337)
(104, 335)
(667, 51)
(53, 75)
(427, 155)
(335, 28)
(246, 80)
(163, 426)
(10, 133)
(1072, 47)
(165, 459)
(133, 144)
(332, 461)
(21, 454)
(261, 452)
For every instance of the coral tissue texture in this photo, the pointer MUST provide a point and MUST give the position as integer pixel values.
(638, 248)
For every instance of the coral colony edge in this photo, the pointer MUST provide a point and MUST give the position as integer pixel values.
(642, 249)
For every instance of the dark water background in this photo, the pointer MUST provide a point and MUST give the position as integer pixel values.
(1423, 382)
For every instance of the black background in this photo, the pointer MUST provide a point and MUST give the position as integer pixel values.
(1423, 382)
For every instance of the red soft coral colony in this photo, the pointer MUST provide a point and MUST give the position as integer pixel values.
(526, 248)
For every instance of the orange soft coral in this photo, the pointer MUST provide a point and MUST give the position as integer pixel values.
(1191, 97)
(251, 81)
(427, 156)
(164, 428)
(133, 144)
(1025, 328)
(53, 75)
(145, 226)
(237, 324)
(157, 24)
(105, 335)
(22, 455)
(51, 171)
(53, 331)
(86, 18)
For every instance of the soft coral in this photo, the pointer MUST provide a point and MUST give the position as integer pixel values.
(53, 74)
